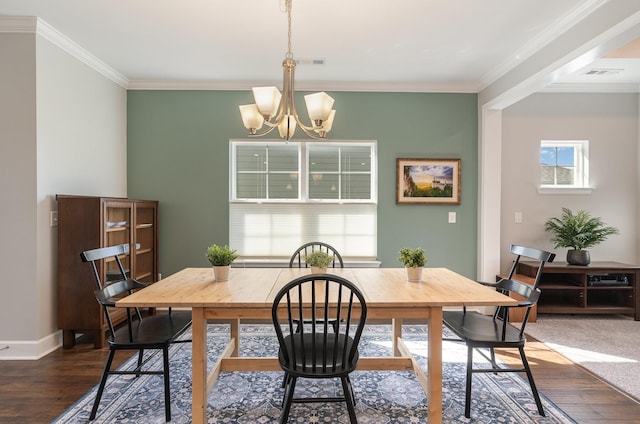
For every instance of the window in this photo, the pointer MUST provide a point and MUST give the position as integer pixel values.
(286, 194)
(264, 172)
(564, 164)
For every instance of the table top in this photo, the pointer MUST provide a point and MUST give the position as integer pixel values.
(257, 287)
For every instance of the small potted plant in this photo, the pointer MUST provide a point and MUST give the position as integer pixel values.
(578, 231)
(413, 260)
(318, 260)
(221, 258)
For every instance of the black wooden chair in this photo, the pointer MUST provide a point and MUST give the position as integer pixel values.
(297, 259)
(312, 351)
(155, 332)
(523, 252)
(480, 331)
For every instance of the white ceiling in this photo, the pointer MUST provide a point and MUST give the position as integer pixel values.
(401, 45)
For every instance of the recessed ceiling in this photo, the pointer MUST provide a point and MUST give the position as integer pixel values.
(408, 45)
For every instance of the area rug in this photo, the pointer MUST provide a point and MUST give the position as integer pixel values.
(255, 397)
(606, 345)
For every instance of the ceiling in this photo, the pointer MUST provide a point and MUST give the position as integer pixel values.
(407, 45)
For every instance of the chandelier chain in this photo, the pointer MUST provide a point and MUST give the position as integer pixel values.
(289, 53)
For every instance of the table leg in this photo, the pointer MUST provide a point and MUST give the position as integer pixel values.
(235, 334)
(199, 366)
(434, 367)
(396, 324)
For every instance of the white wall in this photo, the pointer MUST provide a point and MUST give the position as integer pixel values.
(75, 143)
(610, 123)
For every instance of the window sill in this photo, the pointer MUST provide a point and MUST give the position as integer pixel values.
(565, 190)
(284, 263)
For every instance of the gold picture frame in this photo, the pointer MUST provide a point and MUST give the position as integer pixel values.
(428, 181)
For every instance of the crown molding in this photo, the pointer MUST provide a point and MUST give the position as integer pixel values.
(34, 25)
(18, 24)
(352, 86)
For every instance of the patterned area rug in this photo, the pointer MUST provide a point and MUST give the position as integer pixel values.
(255, 397)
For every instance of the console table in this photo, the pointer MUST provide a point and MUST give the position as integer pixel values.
(599, 288)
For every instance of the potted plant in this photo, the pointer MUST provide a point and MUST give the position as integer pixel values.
(318, 260)
(221, 258)
(578, 231)
(413, 260)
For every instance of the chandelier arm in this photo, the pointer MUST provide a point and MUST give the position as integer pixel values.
(264, 132)
(311, 133)
(302, 125)
(289, 101)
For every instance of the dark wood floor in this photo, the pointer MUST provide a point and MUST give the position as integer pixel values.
(39, 391)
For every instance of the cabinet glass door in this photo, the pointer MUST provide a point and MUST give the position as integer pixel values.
(145, 239)
(117, 231)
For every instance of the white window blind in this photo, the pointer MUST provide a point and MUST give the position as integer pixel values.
(278, 229)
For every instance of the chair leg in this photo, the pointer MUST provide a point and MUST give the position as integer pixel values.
(355, 402)
(493, 360)
(140, 359)
(287, 399)
(103, 381)
(467, 396)
(349, 399)
(167, 393)
(534, 390)
(493, 357)
(284, 380)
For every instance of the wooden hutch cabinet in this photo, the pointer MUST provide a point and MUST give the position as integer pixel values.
(85, 223)
(599, 288)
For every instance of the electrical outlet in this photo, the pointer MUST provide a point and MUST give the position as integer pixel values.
(53, 218)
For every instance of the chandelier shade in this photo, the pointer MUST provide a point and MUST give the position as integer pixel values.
(278, 110)
(318, 106)
(251, 117)
(268, 100)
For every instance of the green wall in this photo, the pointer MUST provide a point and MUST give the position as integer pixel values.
(178, 153)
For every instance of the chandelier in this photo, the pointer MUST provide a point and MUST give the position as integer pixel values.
(276, 110)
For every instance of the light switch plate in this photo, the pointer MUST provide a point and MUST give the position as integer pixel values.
(53, 218)
(518, 217)
(452, 217)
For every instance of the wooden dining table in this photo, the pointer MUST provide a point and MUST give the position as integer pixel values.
(249, 294)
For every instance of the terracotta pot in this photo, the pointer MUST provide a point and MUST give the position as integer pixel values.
(414, 274)
(221, 273)
(578, 257)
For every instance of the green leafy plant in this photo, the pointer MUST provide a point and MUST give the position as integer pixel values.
(221, 255)
(318, 258)
(412, 258)
(578, 230)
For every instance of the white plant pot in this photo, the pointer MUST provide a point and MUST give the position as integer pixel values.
(318, 270)
(414, 274)
(221, 273)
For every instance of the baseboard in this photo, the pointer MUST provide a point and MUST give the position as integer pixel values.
(29, 349)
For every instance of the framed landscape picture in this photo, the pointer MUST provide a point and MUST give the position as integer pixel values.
(428, 181)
